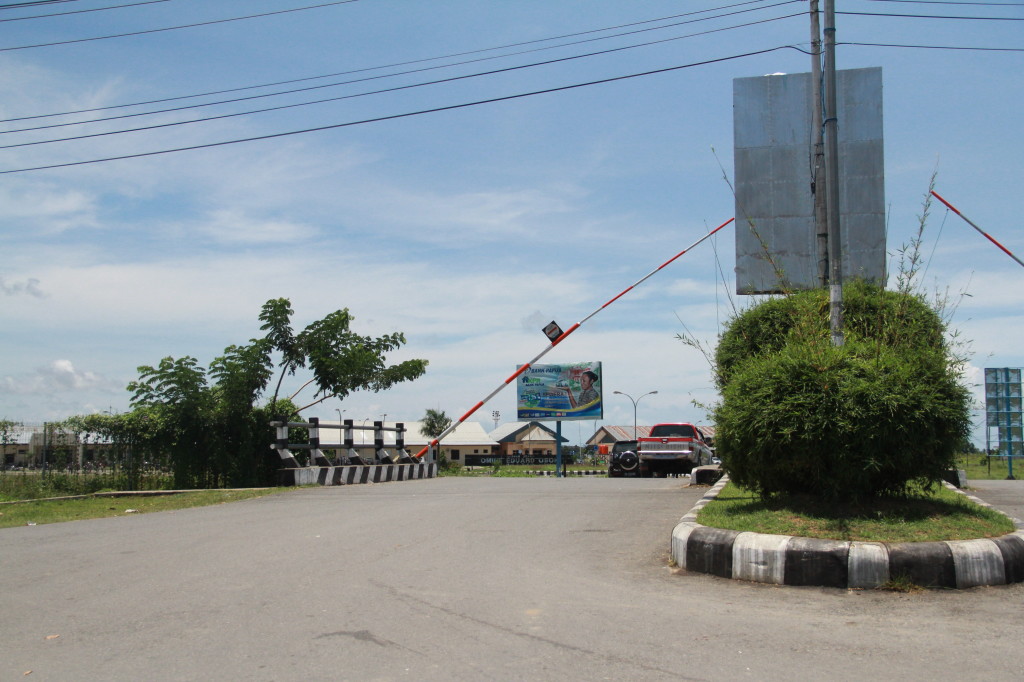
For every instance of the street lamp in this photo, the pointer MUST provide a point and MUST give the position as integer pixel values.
(634, 406)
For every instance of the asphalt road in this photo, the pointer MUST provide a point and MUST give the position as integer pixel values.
(456, 579)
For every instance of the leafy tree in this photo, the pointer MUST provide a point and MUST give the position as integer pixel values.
(341, 360)
(7, 437)
(209, 425)
(434, 423)
(134, 438)
(178, 392)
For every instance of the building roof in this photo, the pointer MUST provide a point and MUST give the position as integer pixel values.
(514, 432)
(607, 434)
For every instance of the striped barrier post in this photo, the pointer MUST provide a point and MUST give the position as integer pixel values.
(351, 469)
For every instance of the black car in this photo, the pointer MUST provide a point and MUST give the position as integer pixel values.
(623, 461)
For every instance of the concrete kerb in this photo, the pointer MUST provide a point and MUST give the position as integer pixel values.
(789, 560)
(356, 474)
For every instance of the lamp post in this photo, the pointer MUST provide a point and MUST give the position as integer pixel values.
(341, 425)
(634, 406)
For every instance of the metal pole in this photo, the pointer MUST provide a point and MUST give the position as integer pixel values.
(634, 406)
(818, 182)
(1009, 424)
(831, 124)
(559, 467)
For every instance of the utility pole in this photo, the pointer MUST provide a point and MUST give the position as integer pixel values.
(835, 264)
(818, 162)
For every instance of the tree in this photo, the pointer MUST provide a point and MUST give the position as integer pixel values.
(435, 422)
(177, 391)
(341, 360)
(7, 437)
(134, 437)
(209, 425)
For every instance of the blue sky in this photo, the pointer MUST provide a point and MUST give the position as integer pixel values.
(468, 229)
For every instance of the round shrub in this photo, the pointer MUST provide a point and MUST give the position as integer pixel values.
(800, 416)
(869, 312)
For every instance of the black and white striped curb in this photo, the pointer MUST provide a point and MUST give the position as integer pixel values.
(353, 475)
(594, 472)
(789, 560)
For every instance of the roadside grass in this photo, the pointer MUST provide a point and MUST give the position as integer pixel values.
(982, 468)
(922, 516)
(38, 512)
(514, 470)
(31, 485)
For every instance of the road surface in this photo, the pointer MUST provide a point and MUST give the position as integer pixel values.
(456, 579)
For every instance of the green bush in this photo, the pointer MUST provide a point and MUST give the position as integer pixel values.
(888, 317)
(800, 416)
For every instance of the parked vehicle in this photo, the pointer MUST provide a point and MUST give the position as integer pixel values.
(672, 449)
(623, 460)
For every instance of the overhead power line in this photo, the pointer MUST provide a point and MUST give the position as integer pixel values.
(177, 28)
(939, 47)
(33, 3)
(953, 2)
(83, 11)
(430, 59)
(928, 16)
(340, 97)
(391, 117)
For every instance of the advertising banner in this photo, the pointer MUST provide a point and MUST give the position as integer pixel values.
(560, 392)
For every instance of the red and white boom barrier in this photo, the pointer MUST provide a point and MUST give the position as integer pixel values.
(555, 342)
(969, 222)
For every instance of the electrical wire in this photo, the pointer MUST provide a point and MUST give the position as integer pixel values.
(928, 16)
(952, 2)
(391, 117)
(33, 3)
(428, 59)
(84, 11)
(938, 47)
(340, 97)
(177, 28)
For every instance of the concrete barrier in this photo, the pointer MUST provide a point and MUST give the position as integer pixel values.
(706, 475)
(788, 560)
(355, 475)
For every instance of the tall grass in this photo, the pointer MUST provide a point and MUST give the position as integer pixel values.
(34, 485)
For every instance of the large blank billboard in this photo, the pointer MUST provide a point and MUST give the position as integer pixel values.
(773, 152)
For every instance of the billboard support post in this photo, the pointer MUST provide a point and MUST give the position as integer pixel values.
(559, 467)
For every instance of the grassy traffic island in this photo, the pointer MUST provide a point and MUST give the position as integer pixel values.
(919, 516)
(920, 538)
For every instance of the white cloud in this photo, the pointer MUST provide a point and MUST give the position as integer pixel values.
(235, 226)
(44, 208)
(29, 287)
(60, 376)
